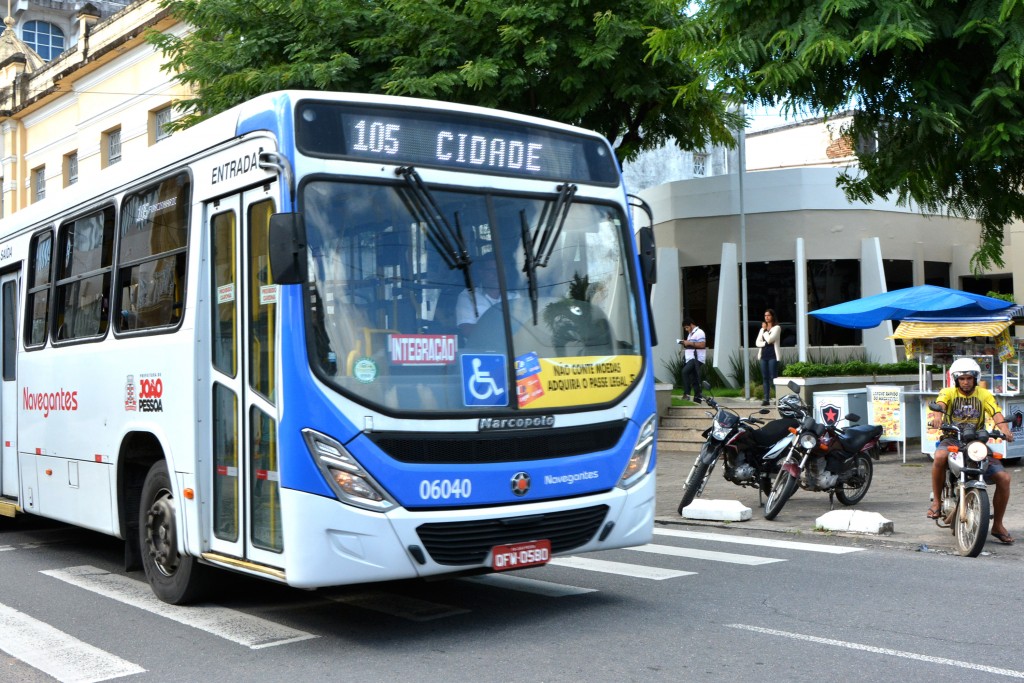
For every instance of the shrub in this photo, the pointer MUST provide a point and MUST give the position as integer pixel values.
(852, 367)
(709, 374)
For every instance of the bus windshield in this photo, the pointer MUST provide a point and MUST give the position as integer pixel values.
(448, 300)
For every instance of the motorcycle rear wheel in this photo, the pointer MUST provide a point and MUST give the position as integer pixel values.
(853, 490)
(785, 486)
(695, 483)
(973, 530)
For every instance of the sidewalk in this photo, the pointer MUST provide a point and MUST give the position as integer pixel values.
(899, 492)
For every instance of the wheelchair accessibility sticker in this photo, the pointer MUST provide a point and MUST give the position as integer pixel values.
(484, 380)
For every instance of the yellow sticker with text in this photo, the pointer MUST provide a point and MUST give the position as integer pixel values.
(577, 381)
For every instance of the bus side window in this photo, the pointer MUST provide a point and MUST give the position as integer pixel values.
(37, 307)
(151, 255)
(82, 283)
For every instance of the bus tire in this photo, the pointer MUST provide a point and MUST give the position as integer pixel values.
(175, 578)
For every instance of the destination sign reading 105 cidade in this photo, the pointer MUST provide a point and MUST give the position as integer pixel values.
(423, 137)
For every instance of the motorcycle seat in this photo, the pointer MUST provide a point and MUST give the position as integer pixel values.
(772, 431)
(854, 438)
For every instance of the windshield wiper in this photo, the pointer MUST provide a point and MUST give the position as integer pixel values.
(539, 245)
(446, 240)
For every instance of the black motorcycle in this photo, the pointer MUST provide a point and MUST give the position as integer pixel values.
(749, 454)
(826, 457)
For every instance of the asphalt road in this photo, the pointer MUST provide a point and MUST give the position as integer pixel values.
(695, 605)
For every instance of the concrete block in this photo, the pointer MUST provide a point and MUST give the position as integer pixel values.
(854, 521)
(718, 510)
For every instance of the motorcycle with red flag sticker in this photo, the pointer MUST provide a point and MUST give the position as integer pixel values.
(826, 457)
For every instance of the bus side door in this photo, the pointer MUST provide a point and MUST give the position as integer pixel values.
(9, 488)
(246, 501)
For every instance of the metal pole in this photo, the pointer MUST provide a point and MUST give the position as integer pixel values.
(744, 354)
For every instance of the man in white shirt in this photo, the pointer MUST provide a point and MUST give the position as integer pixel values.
(487, 291)
(694, 353)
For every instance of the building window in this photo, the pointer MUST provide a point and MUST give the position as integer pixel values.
(70, 169)
(700, 164)
(831, 282)
(43, 37)
(112, 146)
(39, 183)
(160, 119)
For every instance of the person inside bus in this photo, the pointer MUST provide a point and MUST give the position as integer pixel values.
(486, 294)
(966, 402)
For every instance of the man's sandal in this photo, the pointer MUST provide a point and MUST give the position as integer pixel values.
(1003, 537)
(933, 513)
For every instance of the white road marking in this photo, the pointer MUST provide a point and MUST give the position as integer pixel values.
(766, 542)
(623, 569)
(56, 653)
(696, 554)
(883, 651)
(525, 585)
(229, 624)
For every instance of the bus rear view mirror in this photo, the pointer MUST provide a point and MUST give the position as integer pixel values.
(287, 242)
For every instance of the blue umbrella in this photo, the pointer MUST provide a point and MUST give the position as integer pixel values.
(923, 302)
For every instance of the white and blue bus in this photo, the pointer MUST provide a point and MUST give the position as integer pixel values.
(328, 338)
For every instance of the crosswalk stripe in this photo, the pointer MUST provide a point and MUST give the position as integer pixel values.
(697, 554)
(56, 653)
(621, 568)
(765, 542)
(229, 624)
(525, 585)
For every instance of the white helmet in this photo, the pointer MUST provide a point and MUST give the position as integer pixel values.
(965, 366)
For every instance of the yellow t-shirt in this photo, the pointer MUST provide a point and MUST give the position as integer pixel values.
(973, 408)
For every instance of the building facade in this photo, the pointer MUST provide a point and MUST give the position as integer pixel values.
(103, 100)
(788, 239)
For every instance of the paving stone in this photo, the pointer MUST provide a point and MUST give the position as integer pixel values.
(719, 510)
(854, 521)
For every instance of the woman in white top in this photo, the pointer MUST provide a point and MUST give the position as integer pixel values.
(769, 352)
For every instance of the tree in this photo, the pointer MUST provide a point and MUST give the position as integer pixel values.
(577, 61)
(937, 83)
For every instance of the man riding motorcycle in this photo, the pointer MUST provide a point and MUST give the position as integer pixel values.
(967, 403)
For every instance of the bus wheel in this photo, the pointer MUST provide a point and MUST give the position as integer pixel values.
(175, 578)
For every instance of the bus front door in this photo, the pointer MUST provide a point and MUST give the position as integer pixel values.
(9, 489)
(246, 501)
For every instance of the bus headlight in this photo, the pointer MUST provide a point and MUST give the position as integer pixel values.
(347, 478)
(636, 468)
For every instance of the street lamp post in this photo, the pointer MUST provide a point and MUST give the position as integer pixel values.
(744, 355)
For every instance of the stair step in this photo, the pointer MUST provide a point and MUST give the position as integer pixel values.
(682, 428)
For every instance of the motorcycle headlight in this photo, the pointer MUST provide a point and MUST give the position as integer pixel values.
(807, 441)
(639, 461)
(720, 432)
(347, 478)
(977, 451)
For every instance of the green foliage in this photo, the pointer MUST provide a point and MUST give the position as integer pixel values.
(852, 367)
(580, 62)
(674, 368)
(1004, 297)
(936, 84)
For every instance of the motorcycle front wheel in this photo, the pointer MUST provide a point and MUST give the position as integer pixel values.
(699, 474)
(851, 491)
(785, 486)
(971, 523)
